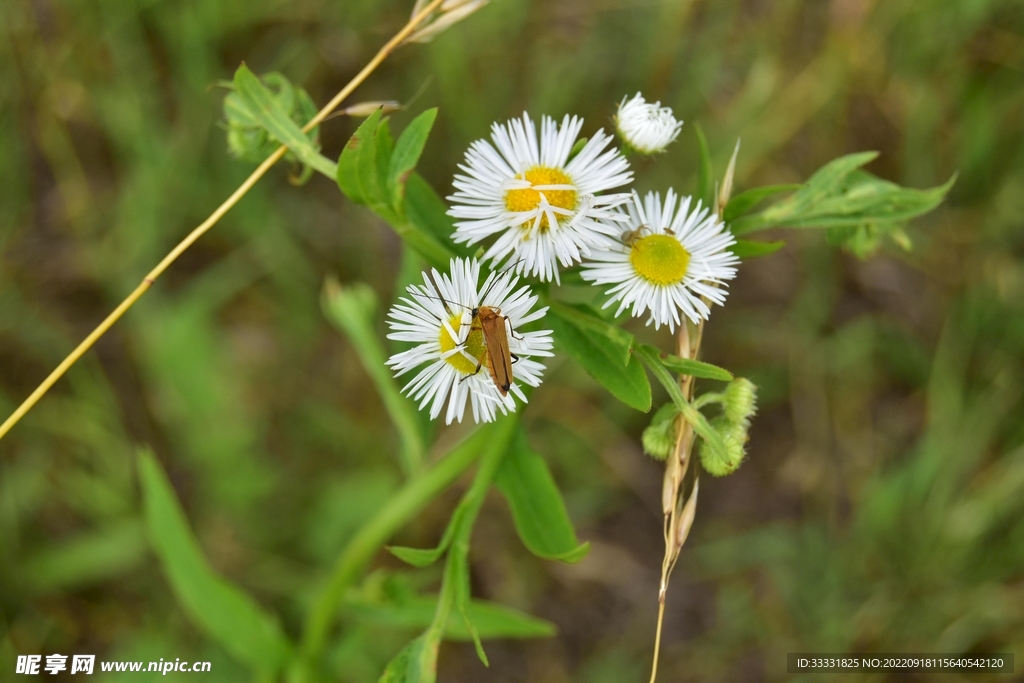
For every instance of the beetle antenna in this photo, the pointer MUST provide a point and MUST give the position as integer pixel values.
(437, 295)
(497, 275)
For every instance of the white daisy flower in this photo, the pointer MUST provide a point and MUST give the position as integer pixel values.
(647, 128)
(544, 207)
(439, 317)
(669, 261)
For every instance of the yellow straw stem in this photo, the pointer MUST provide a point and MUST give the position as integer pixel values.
(150, 278)
(657, 637)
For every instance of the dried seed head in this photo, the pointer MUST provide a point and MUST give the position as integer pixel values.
(686, 517)
(725, 193)
(670, 485)
(364, 109)
(450, 13)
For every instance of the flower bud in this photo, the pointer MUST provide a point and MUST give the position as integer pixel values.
(739, 401)
(660, 437)
(646, 128)
(719, 463)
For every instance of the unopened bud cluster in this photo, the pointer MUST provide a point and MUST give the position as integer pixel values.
(659, 438)
(739, 403)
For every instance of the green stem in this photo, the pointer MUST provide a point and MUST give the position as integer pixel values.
(401, 508)
(456, 577)
(706, 399)
(754, 222)
(650, 358)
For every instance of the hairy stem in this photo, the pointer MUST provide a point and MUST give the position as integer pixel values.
(151, 277)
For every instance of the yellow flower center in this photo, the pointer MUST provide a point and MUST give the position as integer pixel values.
(660, 259)
(528, 199)
(474, 346)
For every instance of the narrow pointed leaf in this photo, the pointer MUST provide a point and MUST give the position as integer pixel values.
(695, 368)
(397, 670)
(363, 142)
(538, 510)
(462, 599)
(705, 173)
(492, 620)
(745, 201)
(407, 153)
(224, 611)
(747, 249)
(424, 557)
(428, 214)
(372, 167)
(840, 195)
(385, 147)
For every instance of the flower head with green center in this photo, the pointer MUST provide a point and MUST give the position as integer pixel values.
(670, 260)
(437, 317)
(544, 208)
(647, 128)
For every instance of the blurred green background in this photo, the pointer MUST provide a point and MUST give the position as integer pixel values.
(880, 506)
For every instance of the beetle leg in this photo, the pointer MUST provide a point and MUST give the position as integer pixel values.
(512, 332)
(475, 372)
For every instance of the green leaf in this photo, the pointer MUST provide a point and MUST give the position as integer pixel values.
(747, 249)
(602, 359)
(745, 201)
(249, 140)
(428, 213)
(415, 663)
(417, 557)
(224, 611)
(93, 556)
(381, 199)
(362, 143)
(839, 195)
(588, 322)
(407, 153)
(424, 557)
(372, 167)
(538, 510)
(492, 619)
(705, 173)
(271, 116)
(363, 176)
(694, 368)
(460, 578)
(397, 670)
